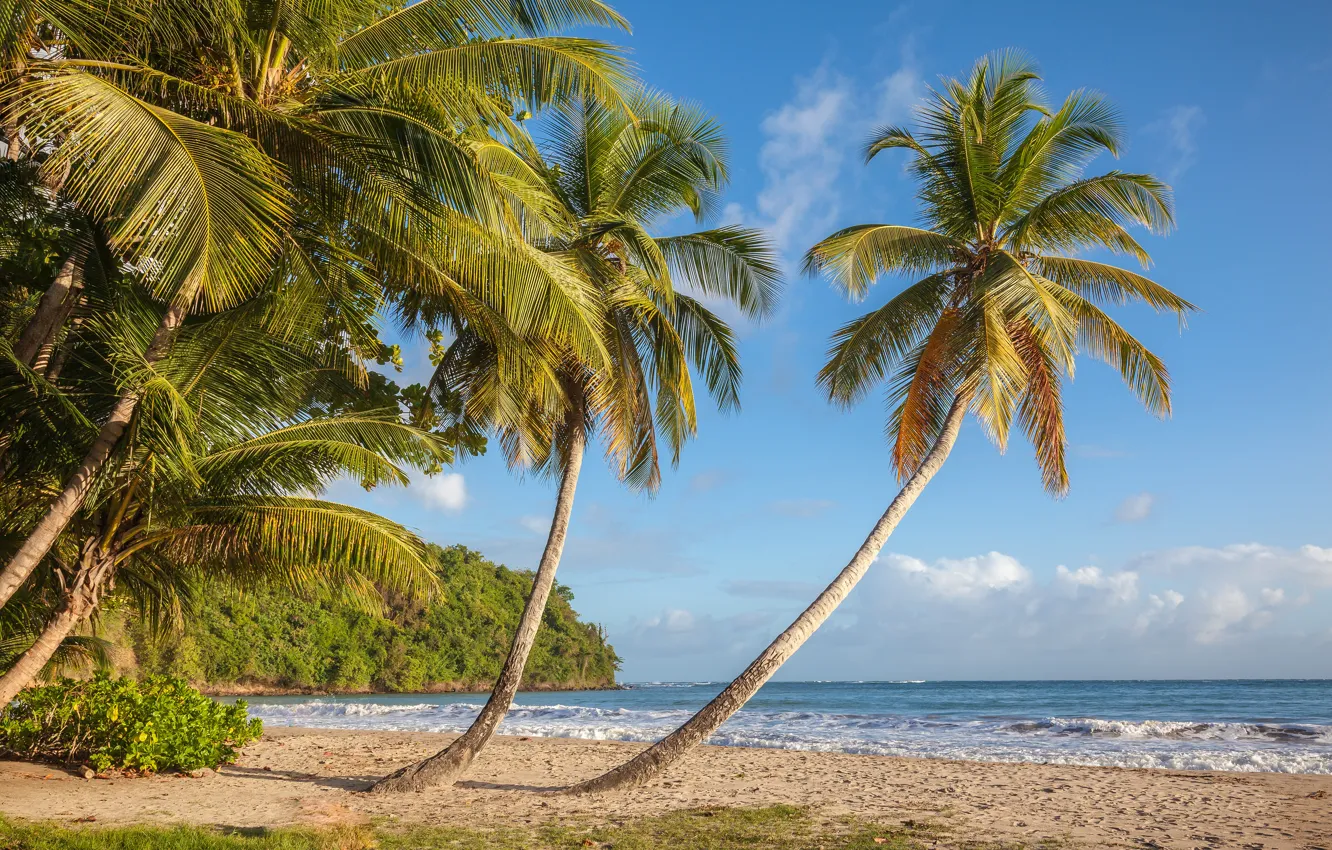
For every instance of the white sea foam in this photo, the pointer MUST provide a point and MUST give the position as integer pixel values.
(1289, 748)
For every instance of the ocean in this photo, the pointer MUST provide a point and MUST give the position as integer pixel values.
(1243, 725)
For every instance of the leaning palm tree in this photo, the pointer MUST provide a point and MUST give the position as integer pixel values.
(21, 624)
(991, 326)
(221, 484)
(614, 177)
(338, 141)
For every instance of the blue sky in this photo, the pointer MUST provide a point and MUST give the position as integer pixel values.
(1194, 547)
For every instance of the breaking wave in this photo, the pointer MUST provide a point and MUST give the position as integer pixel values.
(1179, 745)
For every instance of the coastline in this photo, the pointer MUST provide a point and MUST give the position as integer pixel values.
(297, 776)
(247, 689)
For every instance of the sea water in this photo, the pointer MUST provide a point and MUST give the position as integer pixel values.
(1244, 725)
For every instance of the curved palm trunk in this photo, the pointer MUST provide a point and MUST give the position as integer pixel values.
(77, 601)
(62, 510)
(52, 310)
(448, 764)
(698, 728)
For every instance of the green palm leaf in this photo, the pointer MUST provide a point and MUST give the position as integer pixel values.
(196, 207)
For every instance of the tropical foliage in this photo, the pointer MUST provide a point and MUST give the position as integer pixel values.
(347, 155)
(158, 724)
(454, 639)
(226, 201)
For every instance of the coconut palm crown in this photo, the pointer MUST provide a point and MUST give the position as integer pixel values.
(1002, 304)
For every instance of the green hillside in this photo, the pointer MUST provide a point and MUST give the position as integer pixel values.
(270, 640)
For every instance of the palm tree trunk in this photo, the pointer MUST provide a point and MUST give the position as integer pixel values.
(13, 143)
(64, 507)
(698, 728)
(54, 305)
(42, 362)
(448, 764)
(77, 601)
(62, 352)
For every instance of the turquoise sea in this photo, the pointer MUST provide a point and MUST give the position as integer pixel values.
(1249, 725)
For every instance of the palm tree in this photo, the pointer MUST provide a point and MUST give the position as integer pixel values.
(994, 320)
(614, 177)
(220, 484)
(341, 143)
(24, 619)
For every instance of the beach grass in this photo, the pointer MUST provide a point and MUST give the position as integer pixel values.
(777, 827)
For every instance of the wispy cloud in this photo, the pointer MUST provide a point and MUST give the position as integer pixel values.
(810, 141)
(1136, 508)
(707, 480)
(1178, 131)
(802, 157)
(535, 524)
(771, 589)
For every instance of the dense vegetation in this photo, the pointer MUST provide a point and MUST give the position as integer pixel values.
(159, 724)
(268, 638)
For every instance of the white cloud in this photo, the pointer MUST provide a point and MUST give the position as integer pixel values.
(1235, 610)
(535, 524)
(1244, 563)
(1120, 586)
(447, 491)
(962, 578)
(1159, 609)
(808, 142)
(1247, 610)
(1225, 611)
(801, 157)
(1136, 508)
(900, 91)
(1179, 127)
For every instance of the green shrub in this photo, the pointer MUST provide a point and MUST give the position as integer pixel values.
(154, 725)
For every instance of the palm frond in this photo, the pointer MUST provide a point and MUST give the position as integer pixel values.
(864, 351)
(853, 258)
(198, 209)
(732, 262)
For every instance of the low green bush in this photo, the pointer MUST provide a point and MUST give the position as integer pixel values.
(158, 724)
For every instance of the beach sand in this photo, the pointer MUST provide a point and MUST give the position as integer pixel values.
(308, 776)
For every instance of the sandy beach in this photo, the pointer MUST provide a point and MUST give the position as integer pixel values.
(304, 776)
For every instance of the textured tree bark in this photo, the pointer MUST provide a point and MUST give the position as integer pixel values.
(13, 143)
(78, 600)
(62, 510)
(54, 305)
(62, 352)
(450, 763)
(42, 364)
(698, 728)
